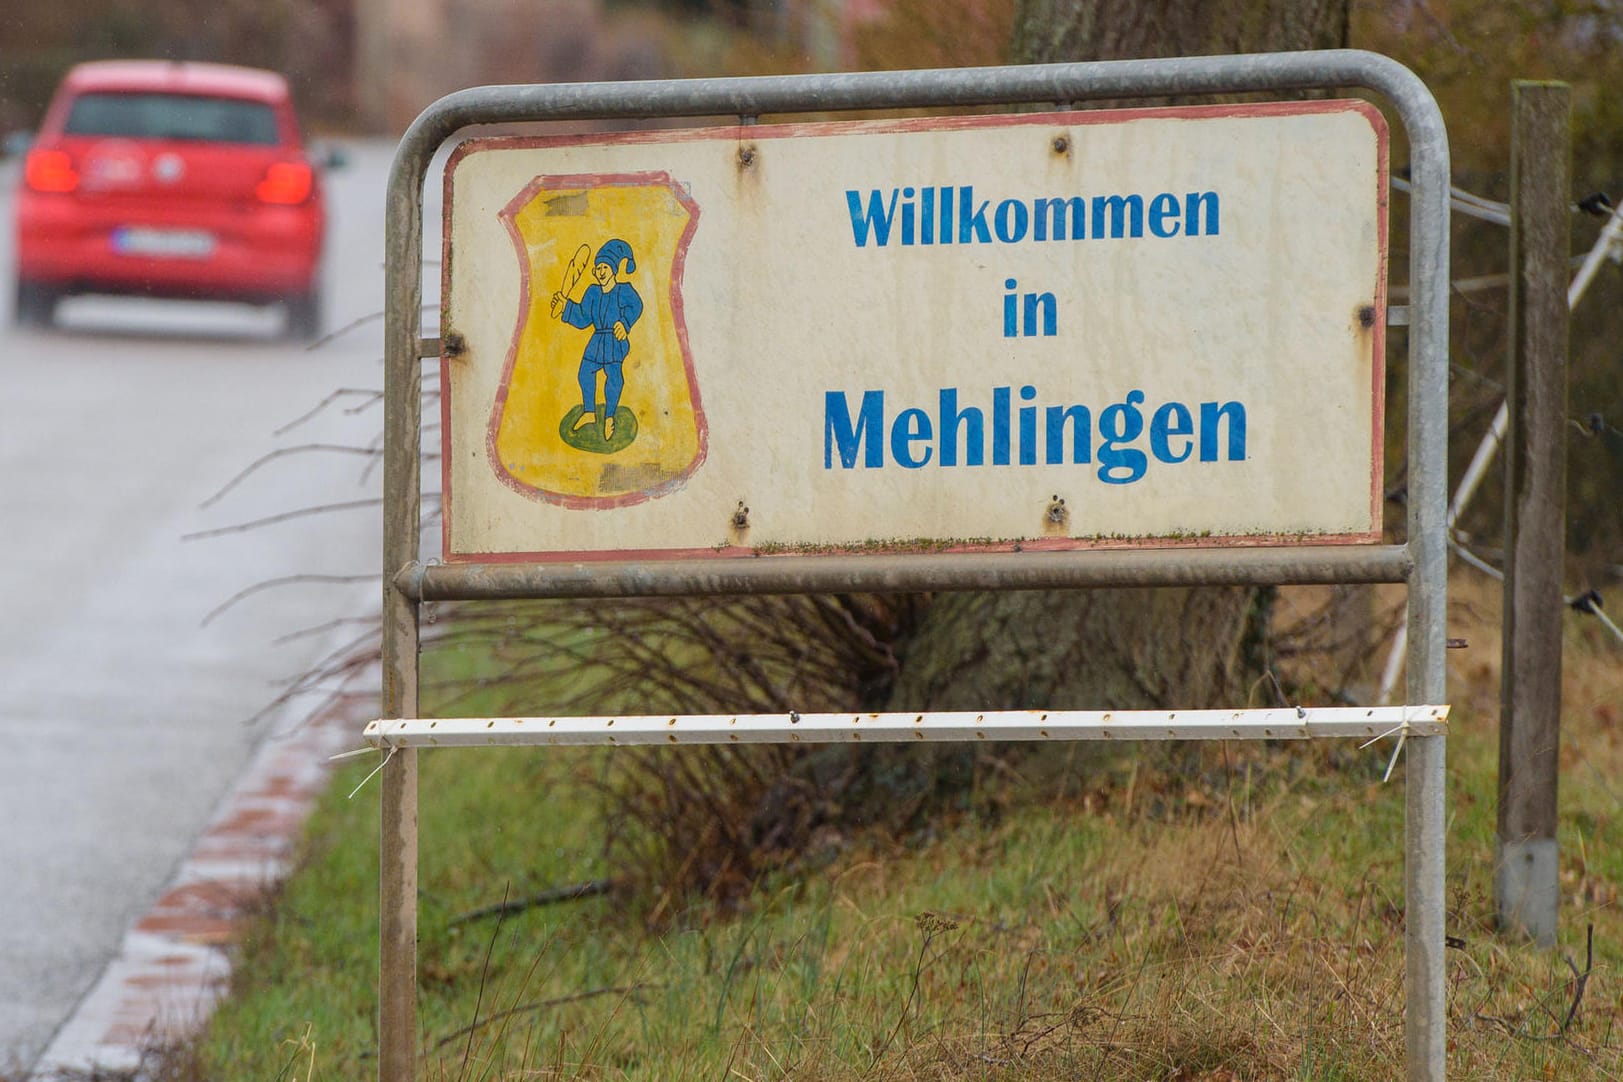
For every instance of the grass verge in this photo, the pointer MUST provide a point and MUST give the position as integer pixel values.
(1227, 912)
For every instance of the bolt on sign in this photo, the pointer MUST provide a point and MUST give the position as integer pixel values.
(1110, 328)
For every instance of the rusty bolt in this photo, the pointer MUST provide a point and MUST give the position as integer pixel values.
(741, 517)
(746, 156)
(454, 344)
(1056, 510)
(1062, 145)
(1366, 316)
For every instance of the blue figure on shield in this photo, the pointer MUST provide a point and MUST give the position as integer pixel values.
(609, 307)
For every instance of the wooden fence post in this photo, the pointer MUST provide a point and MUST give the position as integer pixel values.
(1526, 888)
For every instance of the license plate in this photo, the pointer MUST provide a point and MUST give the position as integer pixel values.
(170, 243)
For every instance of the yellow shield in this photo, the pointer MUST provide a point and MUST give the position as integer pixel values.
(598, 406)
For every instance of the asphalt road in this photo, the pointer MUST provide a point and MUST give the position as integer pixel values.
(123, 717)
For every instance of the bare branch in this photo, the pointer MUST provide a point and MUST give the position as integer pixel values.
(573, 892)
(324, 628)
(1580, 980)
(372, 398)
(286, 580)
(370, 317)
(285, 452)
(284, 516)
(541, 1005)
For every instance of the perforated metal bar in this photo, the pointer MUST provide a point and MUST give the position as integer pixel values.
(1282, 723)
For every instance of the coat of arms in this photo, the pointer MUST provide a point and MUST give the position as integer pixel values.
(599, 406)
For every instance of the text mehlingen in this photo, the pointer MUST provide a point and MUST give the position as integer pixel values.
(1122, 444)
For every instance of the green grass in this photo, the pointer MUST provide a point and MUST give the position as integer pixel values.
(1241, 919)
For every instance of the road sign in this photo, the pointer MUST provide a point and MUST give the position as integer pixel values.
(1291, 174)
(1140, 327)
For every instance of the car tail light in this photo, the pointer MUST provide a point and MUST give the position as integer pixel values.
(50, 171)
(286, 183)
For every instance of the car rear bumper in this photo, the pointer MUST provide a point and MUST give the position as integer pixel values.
(259, 253)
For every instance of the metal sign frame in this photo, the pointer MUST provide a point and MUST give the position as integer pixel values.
(1420, 564)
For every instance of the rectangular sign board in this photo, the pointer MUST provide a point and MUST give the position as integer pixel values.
(1108, 328)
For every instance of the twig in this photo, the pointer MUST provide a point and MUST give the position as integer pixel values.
(326, 628)
(270, 520)
(283, 452)
(341, 663)
(1234, 822)
(1582, 979)
(479, 1000)
(286, 580)
(372, 398)
(589, 889)
(932, 925)
(370, 317)
(539, 1004)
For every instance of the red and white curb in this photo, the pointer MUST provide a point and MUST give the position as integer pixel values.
(174, 965)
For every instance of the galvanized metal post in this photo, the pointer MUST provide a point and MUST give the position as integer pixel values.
(402, 499)
(1425, 777)
(1423, 563)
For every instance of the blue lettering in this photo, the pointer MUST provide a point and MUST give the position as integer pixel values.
(1051, 214)
(1192, 205)
(1171, 419)
(953, 421)
(1119, 424)
(1211, 415)
(972, 220)
(1000, 426)
(1125, 212)
(912, 426)
(877, 218)
(1028, 427)
(840, 432)
(1164, 215)
(926, 216)
(1081, 434)
(1045, 305)
(1122, 439)
(1011, 221)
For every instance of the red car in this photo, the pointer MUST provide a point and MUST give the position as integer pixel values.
(170, 179)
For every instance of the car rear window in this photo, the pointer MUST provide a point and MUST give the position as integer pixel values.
(173, 116)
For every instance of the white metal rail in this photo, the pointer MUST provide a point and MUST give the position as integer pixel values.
(1281, 723)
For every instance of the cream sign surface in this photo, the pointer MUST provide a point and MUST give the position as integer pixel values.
(1032, 331)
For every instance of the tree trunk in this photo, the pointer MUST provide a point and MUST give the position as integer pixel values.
(1078, 650)
(1047, 31)
(1109, 649)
